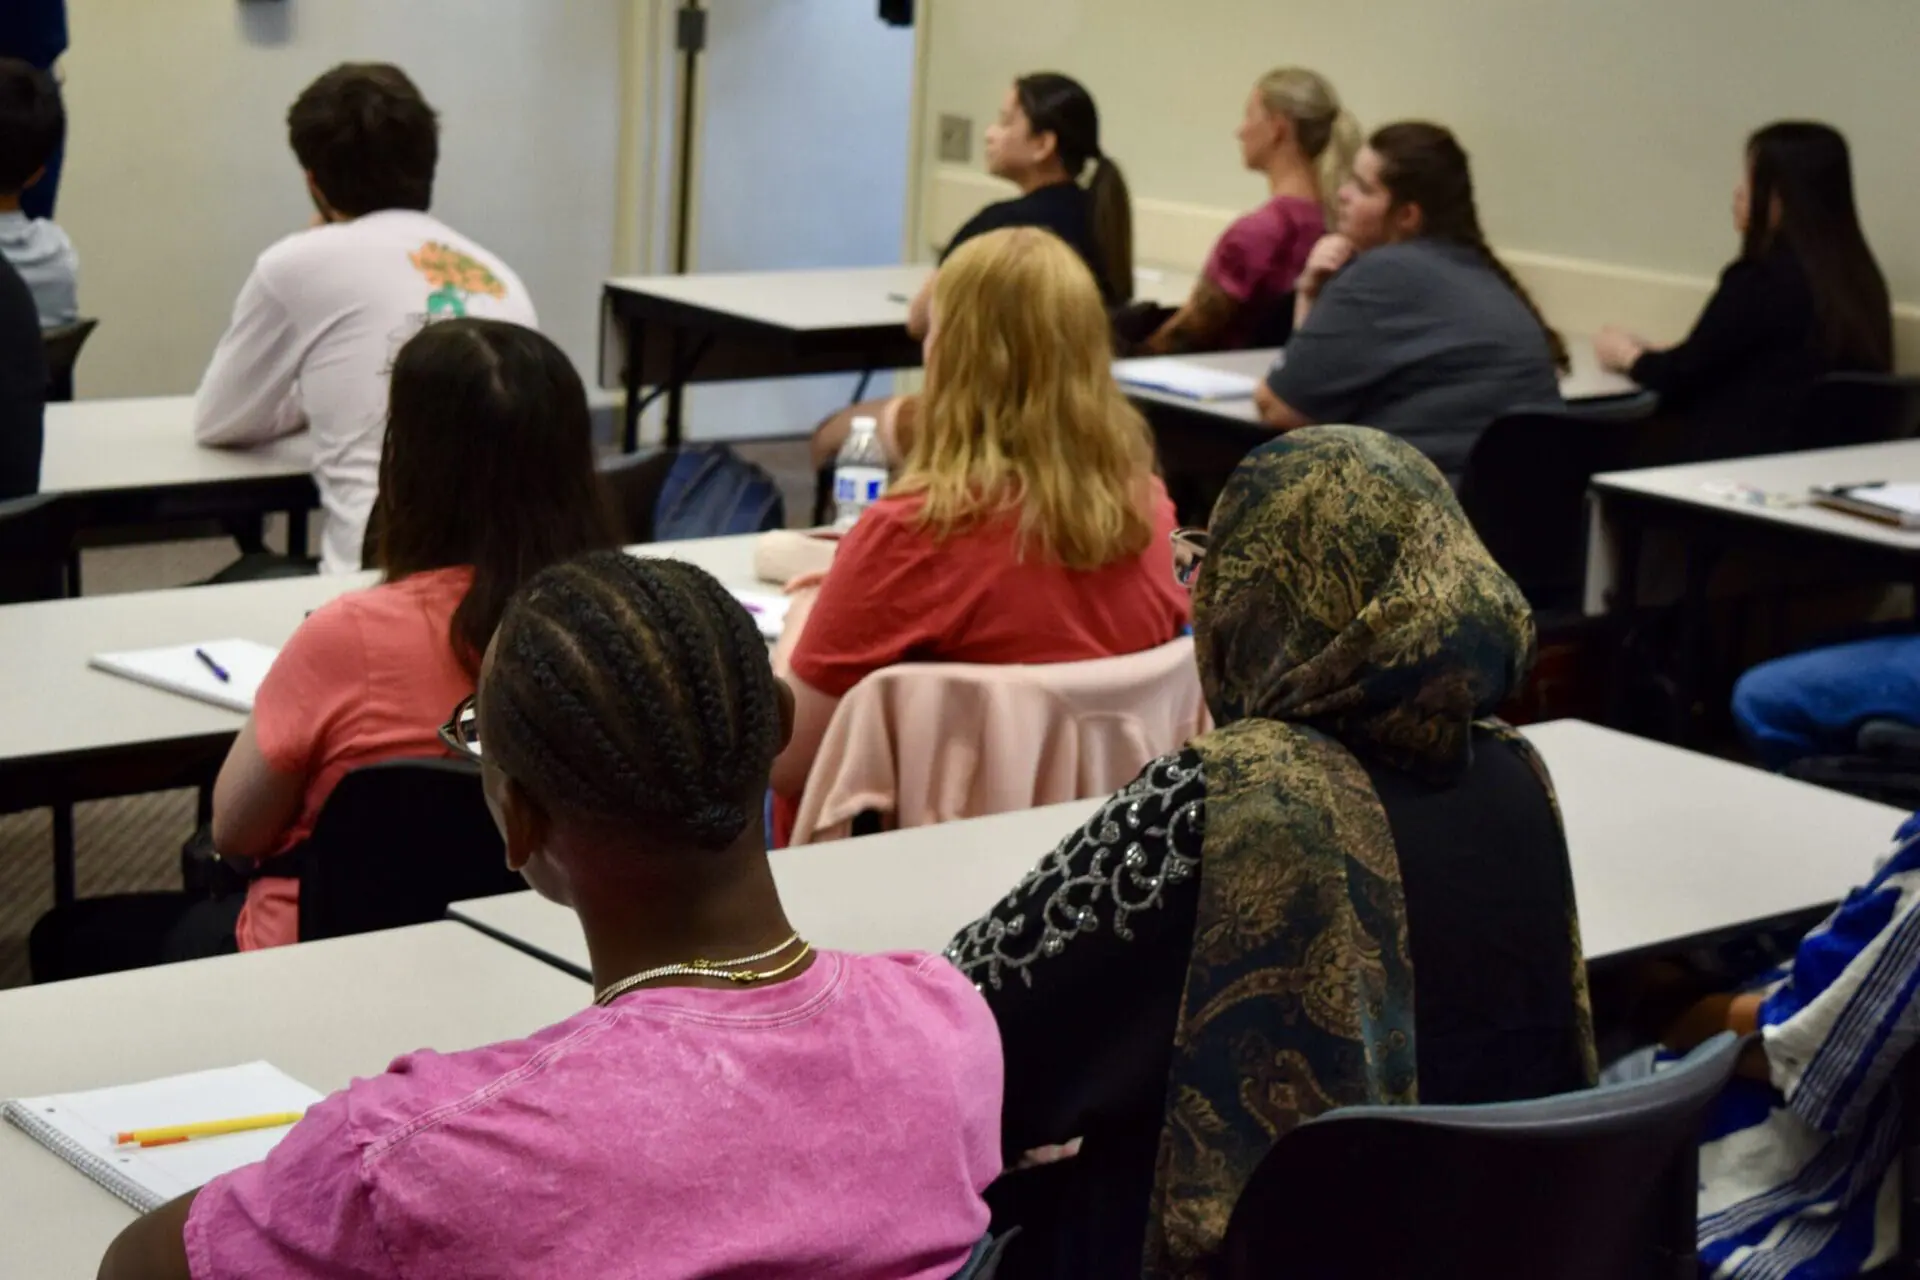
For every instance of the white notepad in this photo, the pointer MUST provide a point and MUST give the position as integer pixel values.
(769, 611)
(178, 670)
(1182, 378)
(80, 1127)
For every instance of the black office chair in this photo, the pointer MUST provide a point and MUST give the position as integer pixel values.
(62, 344)
(1884, 765)
(34, 539)
(1273, 326)
(1855, 408)
(395, 844)
(633, 483)
(1525, 490)
(1596, 1185)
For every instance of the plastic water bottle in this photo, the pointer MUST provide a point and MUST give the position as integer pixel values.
(859, 473)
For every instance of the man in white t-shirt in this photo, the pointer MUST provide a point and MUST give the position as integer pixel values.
(320, 318)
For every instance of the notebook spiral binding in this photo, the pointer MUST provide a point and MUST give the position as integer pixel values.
(96, 1169)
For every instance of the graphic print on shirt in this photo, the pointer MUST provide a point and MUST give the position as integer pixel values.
(455, 278)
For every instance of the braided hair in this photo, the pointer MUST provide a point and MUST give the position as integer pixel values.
(635, 692)
(1424, 164)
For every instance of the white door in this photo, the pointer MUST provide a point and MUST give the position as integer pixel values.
(803, 148)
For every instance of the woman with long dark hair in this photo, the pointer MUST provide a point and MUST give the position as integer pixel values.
(486, 477)
(1046, 141)
(1804, 299)
(1404, 318)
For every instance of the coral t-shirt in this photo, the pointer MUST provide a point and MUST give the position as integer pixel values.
(843, 1123)
(1258, 259)
(898, 594)
(370, 676)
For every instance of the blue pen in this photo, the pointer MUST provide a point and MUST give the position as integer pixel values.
(219, 672)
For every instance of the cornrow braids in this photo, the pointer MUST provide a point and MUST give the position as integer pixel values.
(636, 691)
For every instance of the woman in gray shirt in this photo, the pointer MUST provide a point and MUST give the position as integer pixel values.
(1404, 319)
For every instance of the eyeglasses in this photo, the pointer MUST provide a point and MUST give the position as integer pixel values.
(461, 732)
(1189, 549)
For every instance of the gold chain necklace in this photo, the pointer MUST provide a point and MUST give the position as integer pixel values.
(698, 968)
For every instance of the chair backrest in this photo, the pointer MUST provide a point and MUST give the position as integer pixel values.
(930, 742)
(1855, 408)
(710, 492)
(1596, 1185)
(34, 540)
(62, 345)
(1525, 490)
(395, 844)
(633, 483)
(1273, 326)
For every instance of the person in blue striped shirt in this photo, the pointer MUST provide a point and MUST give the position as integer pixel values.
(1798, 1169)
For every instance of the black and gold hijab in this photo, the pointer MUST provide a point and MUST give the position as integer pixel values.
(1345, 610)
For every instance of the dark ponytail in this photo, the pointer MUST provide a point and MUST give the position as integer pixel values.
(1423, 164)
(1061, 106)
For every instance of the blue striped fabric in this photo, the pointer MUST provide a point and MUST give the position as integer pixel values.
(1797, 1178)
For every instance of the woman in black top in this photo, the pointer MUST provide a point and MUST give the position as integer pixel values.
(1046, 141)
(1803, 299)
(1234, 943)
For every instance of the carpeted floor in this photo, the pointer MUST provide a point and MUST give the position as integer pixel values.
(133, 844)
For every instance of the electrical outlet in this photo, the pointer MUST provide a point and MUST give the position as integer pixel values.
(956, 139)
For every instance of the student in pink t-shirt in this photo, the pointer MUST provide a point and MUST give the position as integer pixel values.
(1297, 134)
(780, 1111)
(487, 476)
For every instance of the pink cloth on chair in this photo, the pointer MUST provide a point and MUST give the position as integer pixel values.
(923, 743)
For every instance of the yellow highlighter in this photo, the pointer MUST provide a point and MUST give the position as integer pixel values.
(204, 1129)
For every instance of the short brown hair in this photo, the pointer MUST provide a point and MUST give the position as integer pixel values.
(368, 138)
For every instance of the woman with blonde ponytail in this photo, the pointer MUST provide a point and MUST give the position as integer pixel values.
(1297, 134)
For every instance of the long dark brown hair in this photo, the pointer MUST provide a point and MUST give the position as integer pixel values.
(1424, 164)
(1061, 106)
(488, 462)
(1805, 168)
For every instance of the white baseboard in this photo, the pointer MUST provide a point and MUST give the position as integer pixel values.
(1577, 295)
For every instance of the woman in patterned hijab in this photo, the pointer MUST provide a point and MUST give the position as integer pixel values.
(1234, 943)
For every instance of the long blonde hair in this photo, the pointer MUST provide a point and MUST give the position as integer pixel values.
(1020, 411)
(1327, 132)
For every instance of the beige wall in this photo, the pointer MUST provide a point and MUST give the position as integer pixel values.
(1605, 137)
(178, 172)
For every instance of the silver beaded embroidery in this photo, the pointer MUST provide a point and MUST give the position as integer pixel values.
(1141, 841)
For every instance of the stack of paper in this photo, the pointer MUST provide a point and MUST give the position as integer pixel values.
(1184, 378)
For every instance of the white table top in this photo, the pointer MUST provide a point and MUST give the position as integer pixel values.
(94, 445)
(841, 298)
(55, 704)
(899, 891)
(1786, 478)
(1586, 381)
(1665, 845)
(324, 1012)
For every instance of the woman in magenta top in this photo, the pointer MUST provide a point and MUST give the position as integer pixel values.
(1296, 133)
(786, 1113)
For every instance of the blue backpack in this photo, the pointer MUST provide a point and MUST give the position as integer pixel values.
(711, 491)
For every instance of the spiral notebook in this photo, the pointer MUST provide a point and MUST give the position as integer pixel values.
(79, 1128)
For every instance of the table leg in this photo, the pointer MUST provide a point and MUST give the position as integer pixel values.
(677, 391)
(630, 380)
(1622, 601)
(1695, 624)
(63, 871)
(297, 533)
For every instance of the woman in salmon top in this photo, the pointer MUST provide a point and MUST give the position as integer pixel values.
(487, 477)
